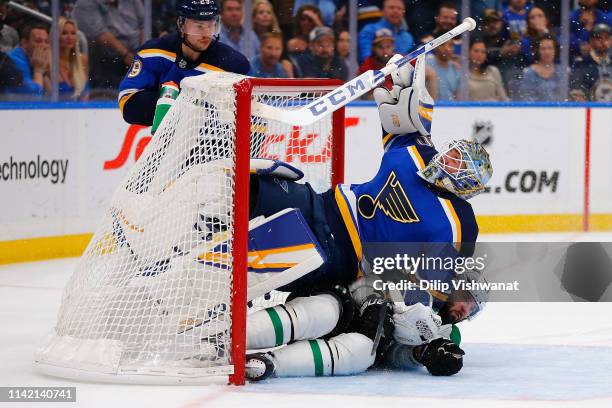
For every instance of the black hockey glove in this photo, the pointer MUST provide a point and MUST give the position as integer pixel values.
(440, 356)
(375, 321)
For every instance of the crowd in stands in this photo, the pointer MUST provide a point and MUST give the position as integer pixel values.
(513, 55)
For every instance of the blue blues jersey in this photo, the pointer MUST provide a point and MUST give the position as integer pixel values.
(161, 60)
(397, 205)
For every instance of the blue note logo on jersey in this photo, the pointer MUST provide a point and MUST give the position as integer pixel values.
(391, 200)
(136, 68)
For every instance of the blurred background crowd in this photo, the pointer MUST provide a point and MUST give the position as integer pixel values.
(522, 50)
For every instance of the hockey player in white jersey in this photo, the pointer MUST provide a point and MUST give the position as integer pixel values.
(330, 333)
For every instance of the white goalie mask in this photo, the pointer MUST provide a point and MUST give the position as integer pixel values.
(463, 168)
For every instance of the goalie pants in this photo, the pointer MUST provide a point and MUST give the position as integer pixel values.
(270, 195)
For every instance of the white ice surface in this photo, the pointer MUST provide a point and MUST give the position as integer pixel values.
(518, 355)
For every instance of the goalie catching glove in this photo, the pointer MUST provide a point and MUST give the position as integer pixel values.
(408, 107)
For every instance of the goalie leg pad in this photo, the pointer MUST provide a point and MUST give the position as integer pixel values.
(299, 319)
(345, 354)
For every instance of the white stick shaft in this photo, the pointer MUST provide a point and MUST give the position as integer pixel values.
(355, 88)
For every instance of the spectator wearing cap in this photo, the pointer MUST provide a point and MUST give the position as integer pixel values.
(582, 21)
(114, 30)
(383, 48)
(596, 68)
(233, 33)
(9, 38)
(495, 35)
(32, 59)
(393, 19)
(267, 64)
(320, 60)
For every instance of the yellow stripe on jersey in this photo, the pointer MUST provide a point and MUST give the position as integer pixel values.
(426, 112)
(157, 52)
(416, 157)
(124, 99)
(209, 67)
(386, 139)
(454, 221)
(345, 212)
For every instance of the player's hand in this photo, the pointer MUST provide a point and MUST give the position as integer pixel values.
(441, 357)
(399, 108)
(372, 309)
(40, 59)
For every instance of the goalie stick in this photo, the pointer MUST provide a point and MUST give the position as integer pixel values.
(353, 89)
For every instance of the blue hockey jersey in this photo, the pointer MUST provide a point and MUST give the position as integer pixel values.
(161, 60)
(397, 205)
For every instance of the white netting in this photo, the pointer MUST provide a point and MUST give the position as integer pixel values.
(152, 293)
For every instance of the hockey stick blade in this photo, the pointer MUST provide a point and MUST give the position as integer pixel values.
(341, 96)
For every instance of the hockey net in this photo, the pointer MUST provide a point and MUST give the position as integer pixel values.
(159, 296)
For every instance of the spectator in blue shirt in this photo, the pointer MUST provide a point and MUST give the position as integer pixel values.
(538, 24)
(582, 21)
(268, 65)
(232, 31)
(393, 19)
(515, 16)
(447, 72)
(32, 60)
(542, 80)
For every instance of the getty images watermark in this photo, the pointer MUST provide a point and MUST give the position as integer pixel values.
(422, 271)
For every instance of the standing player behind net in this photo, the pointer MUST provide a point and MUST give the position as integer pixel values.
(194, 50)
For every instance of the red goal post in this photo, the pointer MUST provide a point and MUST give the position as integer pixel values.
(244, 90)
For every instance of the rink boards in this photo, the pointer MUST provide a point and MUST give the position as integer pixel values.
(60, 164)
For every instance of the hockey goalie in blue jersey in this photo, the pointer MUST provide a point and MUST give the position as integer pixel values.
(194, 50)
(418, 195)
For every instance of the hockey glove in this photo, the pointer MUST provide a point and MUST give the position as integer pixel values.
(408, 107)
(375, 321)
(440, 356)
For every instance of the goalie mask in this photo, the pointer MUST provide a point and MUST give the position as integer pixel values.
(463, 168)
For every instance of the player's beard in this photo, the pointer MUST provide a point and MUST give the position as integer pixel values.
(383, 59)
(445, 314)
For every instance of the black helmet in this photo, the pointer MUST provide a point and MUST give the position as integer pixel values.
(197, 9)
